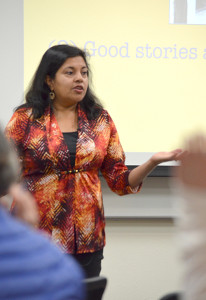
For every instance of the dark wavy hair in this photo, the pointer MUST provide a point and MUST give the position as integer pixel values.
(37, 96)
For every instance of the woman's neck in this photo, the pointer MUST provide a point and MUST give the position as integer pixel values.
(67, 117)
(64, 108)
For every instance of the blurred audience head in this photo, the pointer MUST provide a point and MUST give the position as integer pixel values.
(9, 166)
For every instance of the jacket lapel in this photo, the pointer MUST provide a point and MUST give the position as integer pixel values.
(85, 148)
(57, 147)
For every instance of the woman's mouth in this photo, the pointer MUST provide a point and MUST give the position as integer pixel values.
(78, 89)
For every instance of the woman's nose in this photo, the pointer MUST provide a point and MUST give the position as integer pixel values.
(78, 77)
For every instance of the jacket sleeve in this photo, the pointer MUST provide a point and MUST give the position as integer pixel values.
(16, 129)
(113, 167)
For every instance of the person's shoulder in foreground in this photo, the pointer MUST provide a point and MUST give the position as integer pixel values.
(32, 268)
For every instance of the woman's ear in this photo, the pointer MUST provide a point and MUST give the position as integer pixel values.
(49, 82)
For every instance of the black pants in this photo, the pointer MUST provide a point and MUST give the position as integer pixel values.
(90, 262)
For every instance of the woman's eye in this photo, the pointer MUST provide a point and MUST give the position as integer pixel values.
(85, 73)
(69, 73)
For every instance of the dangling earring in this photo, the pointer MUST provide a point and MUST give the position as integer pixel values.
(52, 95)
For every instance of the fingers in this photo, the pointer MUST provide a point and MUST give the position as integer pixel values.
(177, 151)
(175, 154)
(181, 155)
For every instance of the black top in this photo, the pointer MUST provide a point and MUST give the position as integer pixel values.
(71, 141)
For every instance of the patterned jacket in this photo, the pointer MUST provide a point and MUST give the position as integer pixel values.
(70, 200)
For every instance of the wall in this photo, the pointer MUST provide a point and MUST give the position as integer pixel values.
(12, 57)
(146, 71)
(154, 200)
(142, 259)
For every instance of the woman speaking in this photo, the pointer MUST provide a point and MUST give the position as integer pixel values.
(64, 138)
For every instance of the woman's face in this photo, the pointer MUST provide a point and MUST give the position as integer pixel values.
(71, 82)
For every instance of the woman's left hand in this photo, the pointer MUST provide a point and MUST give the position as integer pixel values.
(137, 175)
(160, 157)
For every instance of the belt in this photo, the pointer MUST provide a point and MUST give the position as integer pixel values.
(73, 171)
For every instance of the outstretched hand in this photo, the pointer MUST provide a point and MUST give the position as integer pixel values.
(138, 174)
(160, 157)
(192, 170)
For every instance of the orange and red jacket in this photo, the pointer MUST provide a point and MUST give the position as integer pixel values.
(70, 200)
